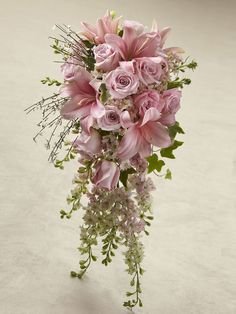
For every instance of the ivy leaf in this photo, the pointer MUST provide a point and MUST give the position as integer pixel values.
(104, 94)
(124, 175)
(174, 129)
(168, 152)
(154, 163)
(168, 174)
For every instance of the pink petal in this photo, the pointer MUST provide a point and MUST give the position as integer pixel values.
(156, 134)
(89, 28)
(147, 45)
(97, 109)
(163, 33)
(69, 89)
(128, 66)
(86, 123)
(89, 143)
(152, 114)
(128, 37)
(125, 119)
(167, 119)
(95, 83)
(145, 149)
(138, 27)
(75, 108)
(129, 144)
(117, 43)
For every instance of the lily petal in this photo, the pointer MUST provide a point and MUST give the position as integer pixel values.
(129, 144)
(156, 134)
(152, 114)
(75, 108)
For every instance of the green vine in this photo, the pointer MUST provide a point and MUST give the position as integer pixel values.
(109, 245)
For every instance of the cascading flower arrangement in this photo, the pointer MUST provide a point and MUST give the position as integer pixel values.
(115, 112)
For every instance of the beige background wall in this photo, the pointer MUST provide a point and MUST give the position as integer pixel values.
(190, 255)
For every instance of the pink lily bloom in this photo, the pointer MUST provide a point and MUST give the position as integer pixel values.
(134, 43)
(83, 98)
(105, 25)
(139, 137)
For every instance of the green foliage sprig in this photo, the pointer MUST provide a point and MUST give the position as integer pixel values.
(50, 82)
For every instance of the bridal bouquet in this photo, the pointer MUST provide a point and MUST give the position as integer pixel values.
(115, 112)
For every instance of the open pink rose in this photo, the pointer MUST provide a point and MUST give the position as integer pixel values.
(171, 102)
(106, 175)
(121, 83)
(148, 99)
(106, 25)
(110, 120)
(106, 58)
(151, 70)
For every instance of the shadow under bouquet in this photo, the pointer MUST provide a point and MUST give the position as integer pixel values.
(115, 112)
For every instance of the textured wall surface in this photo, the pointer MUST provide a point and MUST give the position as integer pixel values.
(190, 255)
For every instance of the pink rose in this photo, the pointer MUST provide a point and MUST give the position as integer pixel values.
(171, 102)
(106, 175)
(111, 119)
(121, 83)
(148, 99)
(106, 58)
(151, 70)
(69, 69)
(89, 143)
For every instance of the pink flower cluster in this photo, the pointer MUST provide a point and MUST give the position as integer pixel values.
(131, 71)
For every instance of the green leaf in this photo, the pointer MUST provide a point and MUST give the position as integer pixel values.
(121, 32)
(88, 44)
(90, 62)
(175, 129)
(154, 163)
(94, 258)
(140, 303)
(124, 175)
(168, 152)
(168, 174)
(178, 83)
(50, 82)
(73, 274)
(128, 294)
(104, 94)
(192, 65)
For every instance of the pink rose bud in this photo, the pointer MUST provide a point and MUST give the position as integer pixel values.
(106, 175)
(171, 100)
(151, 70)
(106, 58)
(148, 99)
(121, 83)
(111, 119)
